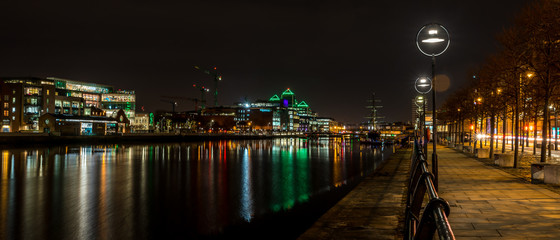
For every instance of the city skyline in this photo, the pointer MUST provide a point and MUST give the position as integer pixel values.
(336, 54)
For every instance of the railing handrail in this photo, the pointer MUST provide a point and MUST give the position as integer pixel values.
(434, 217)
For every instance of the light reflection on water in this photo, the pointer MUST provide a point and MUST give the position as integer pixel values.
(178, 189)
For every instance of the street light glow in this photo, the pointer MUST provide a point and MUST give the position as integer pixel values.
(423, 85)
(433, 40)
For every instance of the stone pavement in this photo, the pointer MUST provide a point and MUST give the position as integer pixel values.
(372, 210)
(487, 203)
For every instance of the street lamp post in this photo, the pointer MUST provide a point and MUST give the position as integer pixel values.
(421, 103)
(433, 40)
(423, 85)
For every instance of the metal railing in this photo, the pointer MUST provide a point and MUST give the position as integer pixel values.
(423, 224)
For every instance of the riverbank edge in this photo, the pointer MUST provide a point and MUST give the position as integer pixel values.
(365, 212)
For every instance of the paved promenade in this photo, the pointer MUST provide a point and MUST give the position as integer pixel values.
(373, 210)
(488, 203)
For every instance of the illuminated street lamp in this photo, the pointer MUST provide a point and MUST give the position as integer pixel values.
(433, 40)
(423, 85)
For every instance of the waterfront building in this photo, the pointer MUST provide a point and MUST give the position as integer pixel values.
(307, 118)
(217, 119)
(140, 122)
(325, 124)
(258, 115)
(279, 113)
(125, 100)
(24, 99)
(69, 105)
(74, 125)
(90, 92)
(101, 96)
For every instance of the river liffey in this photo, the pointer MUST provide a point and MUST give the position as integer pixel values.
(274, 188)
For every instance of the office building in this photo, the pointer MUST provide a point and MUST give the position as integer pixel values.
(25, 99)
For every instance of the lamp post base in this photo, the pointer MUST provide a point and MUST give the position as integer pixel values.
(435, 169)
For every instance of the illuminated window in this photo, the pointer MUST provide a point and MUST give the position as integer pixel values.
(14, 118)
(6, 97)
(48, 92)
(13, 109)
(6, 113)
(90, 97)
(32, 91)
(13, 100)
(32, 109)
(57, 103)
(6, 105)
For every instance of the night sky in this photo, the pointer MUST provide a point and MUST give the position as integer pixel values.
(331, 54)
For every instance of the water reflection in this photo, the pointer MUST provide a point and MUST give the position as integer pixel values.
(180, 189)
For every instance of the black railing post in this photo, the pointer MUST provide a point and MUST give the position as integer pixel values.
(434, 216)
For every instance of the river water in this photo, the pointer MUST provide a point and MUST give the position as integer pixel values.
(216, 189)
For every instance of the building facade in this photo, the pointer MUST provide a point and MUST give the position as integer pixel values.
(24, 100)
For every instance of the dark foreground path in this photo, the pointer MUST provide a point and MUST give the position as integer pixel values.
(373, 210)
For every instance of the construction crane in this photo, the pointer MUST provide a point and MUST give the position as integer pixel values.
(203, 90)
(195, 100)
(216, 76)
(173, 104)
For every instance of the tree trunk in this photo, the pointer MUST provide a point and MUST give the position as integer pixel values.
(524, 139)
(481, 127)
(513, 129)
(504, 129)
(492, 123)
(462, 132)
(535, 135)
(545, 128)
(455, 133)
(497, 125)
(550, 131)
(516, 128)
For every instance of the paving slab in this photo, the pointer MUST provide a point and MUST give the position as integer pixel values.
(497, 204)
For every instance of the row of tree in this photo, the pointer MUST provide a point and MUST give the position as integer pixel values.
(520, 83)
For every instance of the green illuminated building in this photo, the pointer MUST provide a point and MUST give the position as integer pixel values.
(279, 113)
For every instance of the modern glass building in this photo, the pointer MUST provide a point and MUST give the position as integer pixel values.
(279, 113)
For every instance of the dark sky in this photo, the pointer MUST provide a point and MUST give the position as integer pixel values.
(332, 54)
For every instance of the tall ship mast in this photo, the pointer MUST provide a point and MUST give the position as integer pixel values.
(373, 104)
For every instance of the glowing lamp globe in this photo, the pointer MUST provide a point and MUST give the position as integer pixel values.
(432, 39)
